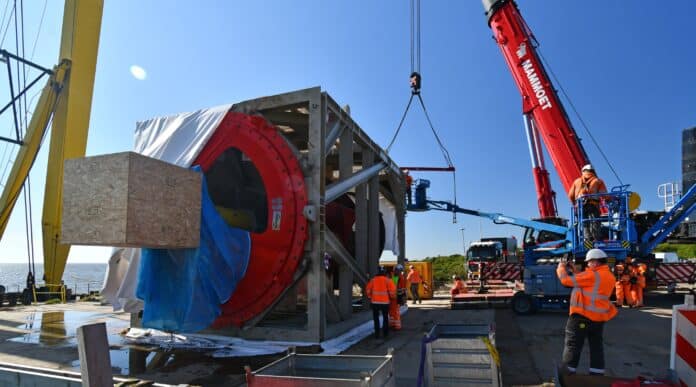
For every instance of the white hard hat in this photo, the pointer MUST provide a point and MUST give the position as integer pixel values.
(400, 267)
(595, 254)
(587, 167)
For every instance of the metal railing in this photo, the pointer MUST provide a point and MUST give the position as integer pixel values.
(60, 291)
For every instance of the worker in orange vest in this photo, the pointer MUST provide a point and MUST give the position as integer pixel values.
(409, 182)
(380, 290)
(623, 285)
(637, 283)
(588, 184)
(400, 282)
(590, 308)
(459, 287)
(415, 280)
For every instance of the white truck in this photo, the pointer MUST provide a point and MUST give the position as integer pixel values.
(481, 253)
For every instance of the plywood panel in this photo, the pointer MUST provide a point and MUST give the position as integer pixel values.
(126, 199)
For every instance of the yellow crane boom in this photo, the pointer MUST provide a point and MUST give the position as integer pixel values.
(67, 97)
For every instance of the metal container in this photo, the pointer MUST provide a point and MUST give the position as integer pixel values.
(461, 355)
(325, 370)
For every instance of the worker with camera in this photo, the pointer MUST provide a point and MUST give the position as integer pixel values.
(590, 308)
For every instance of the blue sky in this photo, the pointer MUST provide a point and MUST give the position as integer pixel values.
(628, 67)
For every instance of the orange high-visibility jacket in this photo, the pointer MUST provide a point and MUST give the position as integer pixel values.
(582, 187)
(380, 289)
(591, 291)
(414, 277)
(459, 285)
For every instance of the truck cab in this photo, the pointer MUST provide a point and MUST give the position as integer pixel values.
(481, 254)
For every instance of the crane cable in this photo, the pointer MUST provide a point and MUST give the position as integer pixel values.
(577, 114)
(415, 91)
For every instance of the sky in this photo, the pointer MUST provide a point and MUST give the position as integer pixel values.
(628, 68)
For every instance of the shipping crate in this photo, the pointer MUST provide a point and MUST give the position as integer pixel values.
(130, 200)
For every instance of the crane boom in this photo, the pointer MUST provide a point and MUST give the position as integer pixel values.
(543, 111)
(80, 44)
(66, 100)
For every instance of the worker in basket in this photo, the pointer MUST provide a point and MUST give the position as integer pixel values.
(590, 308)
(409, 183)
(588, 184)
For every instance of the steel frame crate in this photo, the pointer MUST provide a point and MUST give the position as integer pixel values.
(325, 371)
(461, 355)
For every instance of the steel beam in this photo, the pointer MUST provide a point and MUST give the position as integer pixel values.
(344, 256)
(316, 279)
(345, 274)
(331, 138)
(337, 189)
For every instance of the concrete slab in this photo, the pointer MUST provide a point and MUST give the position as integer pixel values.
(415, 324)
(636, 342)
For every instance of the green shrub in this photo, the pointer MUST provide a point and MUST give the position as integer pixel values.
(682, 250)
(446, 266)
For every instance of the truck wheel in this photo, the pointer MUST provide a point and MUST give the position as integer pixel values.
(522, 304)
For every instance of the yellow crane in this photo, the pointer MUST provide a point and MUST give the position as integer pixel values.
(67, 99)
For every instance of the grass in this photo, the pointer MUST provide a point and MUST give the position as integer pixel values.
(682, 250)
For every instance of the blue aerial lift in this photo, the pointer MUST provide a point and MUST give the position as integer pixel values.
(545, 244)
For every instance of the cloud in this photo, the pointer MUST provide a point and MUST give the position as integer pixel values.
(138, 72)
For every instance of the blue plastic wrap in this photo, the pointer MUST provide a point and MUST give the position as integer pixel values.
(183, 289)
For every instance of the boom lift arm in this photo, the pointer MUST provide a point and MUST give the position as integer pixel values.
(549, 236)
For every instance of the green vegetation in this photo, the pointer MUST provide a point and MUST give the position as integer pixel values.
(682, 250)
(445, 266)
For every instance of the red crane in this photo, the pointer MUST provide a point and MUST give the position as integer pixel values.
(542, 109)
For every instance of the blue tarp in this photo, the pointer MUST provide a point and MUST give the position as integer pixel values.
(183, 289)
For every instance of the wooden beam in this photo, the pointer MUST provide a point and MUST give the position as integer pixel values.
(95, 361)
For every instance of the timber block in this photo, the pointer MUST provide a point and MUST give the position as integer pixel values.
(130, 200)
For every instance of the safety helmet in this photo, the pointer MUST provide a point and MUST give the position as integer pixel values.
(400, 267)
(595, 254)
(587, 167)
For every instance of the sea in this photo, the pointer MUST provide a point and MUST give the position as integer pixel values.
(80, 277)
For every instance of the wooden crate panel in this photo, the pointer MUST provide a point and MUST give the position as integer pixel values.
(129, 200)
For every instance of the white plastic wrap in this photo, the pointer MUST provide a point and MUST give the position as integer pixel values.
(176, 139)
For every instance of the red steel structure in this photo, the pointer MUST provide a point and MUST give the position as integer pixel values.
(542, 109)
